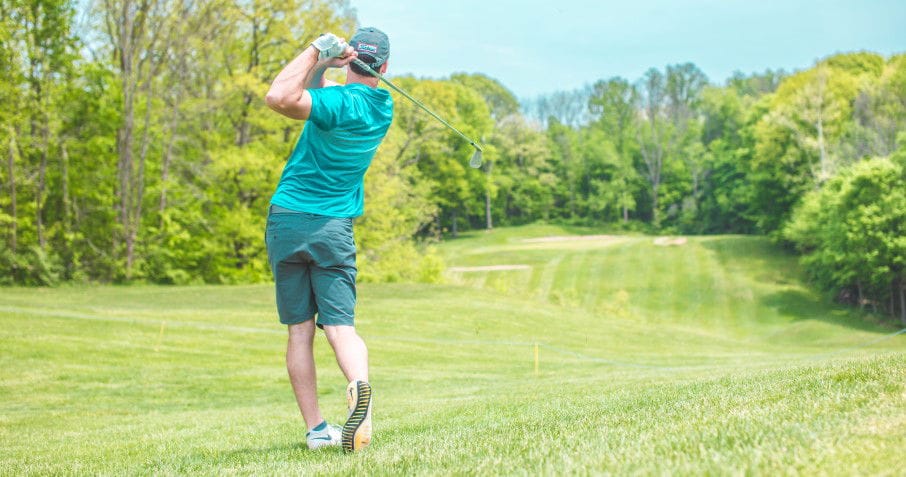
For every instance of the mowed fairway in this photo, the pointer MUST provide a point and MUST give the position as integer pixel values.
(706, 357)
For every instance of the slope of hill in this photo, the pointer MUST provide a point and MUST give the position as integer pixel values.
(575, 354)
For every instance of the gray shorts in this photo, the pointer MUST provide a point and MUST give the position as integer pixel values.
(312, 258)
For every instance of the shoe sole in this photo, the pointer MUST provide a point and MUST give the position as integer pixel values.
(354, 433)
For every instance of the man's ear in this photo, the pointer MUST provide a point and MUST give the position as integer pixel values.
(383, 69)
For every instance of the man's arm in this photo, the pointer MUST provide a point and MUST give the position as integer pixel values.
(289, 95)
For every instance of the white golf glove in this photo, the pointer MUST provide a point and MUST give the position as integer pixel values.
(329, 46)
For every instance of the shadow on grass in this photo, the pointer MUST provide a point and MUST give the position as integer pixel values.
(279, 452)
(754, 254)
(774, 266)
(800, 306)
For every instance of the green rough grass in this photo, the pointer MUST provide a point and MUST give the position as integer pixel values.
(707, 358)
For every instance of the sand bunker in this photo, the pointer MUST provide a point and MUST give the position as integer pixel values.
(668, 241)
(489, 268)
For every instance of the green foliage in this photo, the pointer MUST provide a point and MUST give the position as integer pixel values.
(440, 155)
(863, 63)
(809, 132)
(397, 207)
(724, 189)
(500, 100)
(852, 233)
(154, 159)
(755, 85)
(205, 150)
(31, 267)
(614, 184)
(521, 174)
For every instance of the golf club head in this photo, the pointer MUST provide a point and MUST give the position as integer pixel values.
(475, 162)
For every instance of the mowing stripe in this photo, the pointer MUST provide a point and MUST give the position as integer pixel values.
(719, 285)
(858, 346)
(548, 275)
(489, 268)
(241, 329)
(133, 320)
(594, 282)
(578, 266)
(612, 362)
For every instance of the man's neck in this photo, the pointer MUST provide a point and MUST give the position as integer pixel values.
(353, 77)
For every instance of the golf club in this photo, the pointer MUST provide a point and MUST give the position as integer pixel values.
(475, 162)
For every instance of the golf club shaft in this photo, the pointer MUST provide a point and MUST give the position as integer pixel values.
(418, 103)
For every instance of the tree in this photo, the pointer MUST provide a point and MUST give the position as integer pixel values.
(564, 144)
(10, 95)
(725, 191)
(852, 233)
(48, 47)
(397, 207)
(524, 177)
(613, 103)
(757, 84)
(605, 188)
(570, 108)
(503, 106)
(140, 33)
(441, 156)
(262, 37)
(38, 50)
(879, 112)
(501, 101)
(654, 134)
(801, 139)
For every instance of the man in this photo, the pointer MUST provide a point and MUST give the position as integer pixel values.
(309, 228)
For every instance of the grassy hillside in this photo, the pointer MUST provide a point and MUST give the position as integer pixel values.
(705, 357)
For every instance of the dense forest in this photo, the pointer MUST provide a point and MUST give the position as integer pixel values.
(136, 146)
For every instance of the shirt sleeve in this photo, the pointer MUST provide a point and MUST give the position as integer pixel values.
(327, 107)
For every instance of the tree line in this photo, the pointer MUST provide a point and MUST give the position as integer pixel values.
(138, 148)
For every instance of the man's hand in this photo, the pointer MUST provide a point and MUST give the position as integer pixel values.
(289, 94)
(326, 41)
(330, 46)
(342, 59)
(333, 51)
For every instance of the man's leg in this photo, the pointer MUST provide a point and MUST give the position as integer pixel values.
(350, 350)
(300, 363)
(333, 282)
(352, 356)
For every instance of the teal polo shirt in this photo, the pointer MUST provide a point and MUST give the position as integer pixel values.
(325, 173)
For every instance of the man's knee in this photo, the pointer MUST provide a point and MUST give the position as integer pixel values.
(336, 334)
(302, 332)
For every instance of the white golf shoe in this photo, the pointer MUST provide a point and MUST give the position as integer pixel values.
(329, 436)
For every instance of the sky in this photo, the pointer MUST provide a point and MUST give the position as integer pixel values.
(540, 47)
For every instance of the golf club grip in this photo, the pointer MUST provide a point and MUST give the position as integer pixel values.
(379, 76)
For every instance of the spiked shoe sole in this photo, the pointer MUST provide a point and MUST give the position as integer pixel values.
(357, 430)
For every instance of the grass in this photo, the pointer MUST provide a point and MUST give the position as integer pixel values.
(710, 357)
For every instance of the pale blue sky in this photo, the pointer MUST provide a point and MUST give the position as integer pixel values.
(536, 47)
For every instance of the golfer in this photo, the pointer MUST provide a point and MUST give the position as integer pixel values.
(309, 235)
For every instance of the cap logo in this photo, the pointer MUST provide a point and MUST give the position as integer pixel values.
(365, 47)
